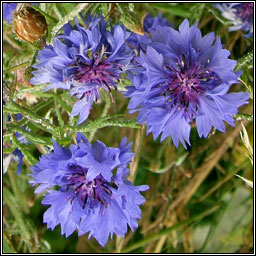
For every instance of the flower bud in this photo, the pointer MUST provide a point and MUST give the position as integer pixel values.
(28, 24)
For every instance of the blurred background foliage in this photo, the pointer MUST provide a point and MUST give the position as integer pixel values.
(195, 203)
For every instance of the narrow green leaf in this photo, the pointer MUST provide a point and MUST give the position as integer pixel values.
(33, 117)
(24, 64)
(245, 60)
(104, 118)
(101, 124)
(70, 16)
(38, 88)
(33, 138)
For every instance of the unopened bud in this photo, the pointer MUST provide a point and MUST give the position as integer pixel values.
(28, 24)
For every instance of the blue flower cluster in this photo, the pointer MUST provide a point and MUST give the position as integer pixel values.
(179, 77)
(94, 194)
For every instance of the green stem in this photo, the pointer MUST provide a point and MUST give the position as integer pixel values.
(104, 113)
(166, 231)
(63, 104)
(60, 120)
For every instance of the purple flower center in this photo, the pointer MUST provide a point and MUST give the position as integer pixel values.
(245, 12)
(186, 82)
(93, 73)
(95, 192)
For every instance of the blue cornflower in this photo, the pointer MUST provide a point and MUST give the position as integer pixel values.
(93, 193)
(240, 15)
(141, 41)
(8, 9)
(83, 60)
(185, 79)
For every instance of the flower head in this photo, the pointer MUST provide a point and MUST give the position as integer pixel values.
(8, 9)
(83, 60)
(185, 79)
(93, 190)
(240, 15)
